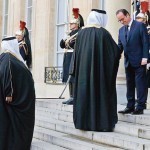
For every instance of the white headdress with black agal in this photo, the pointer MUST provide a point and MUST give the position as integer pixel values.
(10, 44)
(97, 17)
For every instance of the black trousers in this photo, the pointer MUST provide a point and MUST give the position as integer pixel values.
(136, 78)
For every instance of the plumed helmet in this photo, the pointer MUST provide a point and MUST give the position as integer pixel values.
(77, 18)
(22, 25)
(76, 21)
(19, 32)
(141, 15)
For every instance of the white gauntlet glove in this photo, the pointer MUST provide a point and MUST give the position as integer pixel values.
(148, 66)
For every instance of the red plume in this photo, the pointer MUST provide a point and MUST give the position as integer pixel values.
(144, 6)
(22, 25)
(75, 12)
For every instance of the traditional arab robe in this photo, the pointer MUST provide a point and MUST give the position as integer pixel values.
(16, 117)
(95, 69)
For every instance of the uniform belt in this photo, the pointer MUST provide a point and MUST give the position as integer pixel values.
(68, 50)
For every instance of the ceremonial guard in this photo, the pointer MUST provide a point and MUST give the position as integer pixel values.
(25, 44)
(23, 48)
(68, 44)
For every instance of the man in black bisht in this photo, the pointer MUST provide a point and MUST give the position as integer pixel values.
(96, 65)
(17, 99)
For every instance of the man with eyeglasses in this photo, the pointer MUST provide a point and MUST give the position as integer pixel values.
(133, 40)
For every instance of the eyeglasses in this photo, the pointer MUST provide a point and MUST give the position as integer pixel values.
(122, 19)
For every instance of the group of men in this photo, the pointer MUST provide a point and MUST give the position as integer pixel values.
(94, 57)
(94, 66)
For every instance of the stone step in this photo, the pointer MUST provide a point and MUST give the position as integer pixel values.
(61, 126)
(42, 145)
(57, 105)
(108, 138)
(54, 104)
(55, 114)
(131, 129)
(67, 116)
(69, 141)
(122, 141)
(143, 119)
(131, 132)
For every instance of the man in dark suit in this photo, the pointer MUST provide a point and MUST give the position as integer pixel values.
(133, 39)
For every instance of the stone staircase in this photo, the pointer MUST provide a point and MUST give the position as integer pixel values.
(54, 130)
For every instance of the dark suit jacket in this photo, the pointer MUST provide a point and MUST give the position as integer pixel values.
(137, 45)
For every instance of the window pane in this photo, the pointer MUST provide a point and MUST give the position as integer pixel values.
(6, 7)
(30, 35)
(61, 11)
(29, 3)
(5, 24)
(29, 18)
(5, 18)
(60, 59)
(60, 35)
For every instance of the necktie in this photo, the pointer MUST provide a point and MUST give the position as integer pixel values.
(126, 32)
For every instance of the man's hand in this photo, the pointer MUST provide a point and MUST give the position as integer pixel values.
(144, 61)
(9, 99)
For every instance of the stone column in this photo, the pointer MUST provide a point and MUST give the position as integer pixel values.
(113, 25)
(43, 40)
(16, 12)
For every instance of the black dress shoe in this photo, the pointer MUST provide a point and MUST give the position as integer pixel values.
(126, 110)
(137, 112)
(64, 102)
(68, 102)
